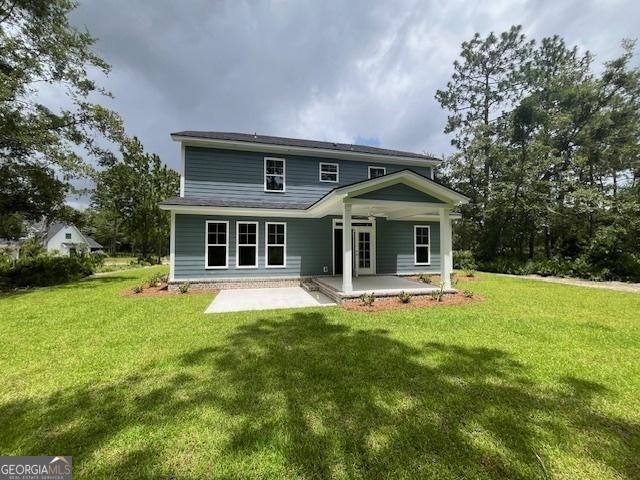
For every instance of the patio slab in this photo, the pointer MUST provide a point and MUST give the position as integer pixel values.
(379, 285)
(241, 300)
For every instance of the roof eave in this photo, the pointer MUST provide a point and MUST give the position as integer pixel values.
(308, 151)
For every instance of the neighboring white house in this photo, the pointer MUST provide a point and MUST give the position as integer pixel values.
(67, 240)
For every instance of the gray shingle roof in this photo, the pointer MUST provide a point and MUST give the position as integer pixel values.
(296, 142)
(54, 228)
(91, 242)
(223, 202)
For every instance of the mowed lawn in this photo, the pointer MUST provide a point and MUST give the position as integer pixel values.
(538, 381)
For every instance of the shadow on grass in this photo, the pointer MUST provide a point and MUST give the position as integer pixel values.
(79, 284)
(326, 400)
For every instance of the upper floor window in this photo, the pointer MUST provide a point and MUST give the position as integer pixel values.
(67, 236)
(274, 174)
(421, 244)
(375, 172)
(329, 172)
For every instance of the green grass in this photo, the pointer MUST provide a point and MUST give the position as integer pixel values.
(539, 381)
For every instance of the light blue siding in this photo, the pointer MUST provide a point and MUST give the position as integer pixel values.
(395, 247)
(400, 193)
(239, 175)
(309, 248)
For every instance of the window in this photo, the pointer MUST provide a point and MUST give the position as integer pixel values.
(246, 244)
(67, 236)
(375, 172)
(421, 244)
(274, 175)
(329, 172)
(276, 245)
(216, 254)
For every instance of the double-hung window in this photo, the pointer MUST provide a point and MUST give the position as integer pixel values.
(274, 174)
(246, 244)
(329, 172)
(375, 172)
(217, 249)
(276, 245)
(421, 244)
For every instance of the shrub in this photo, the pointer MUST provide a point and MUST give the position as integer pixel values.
(45, 270)
(164, 278)
(424, 278)
(404, 297)
(464, 260)
(469, 272)
(137, 288)
(155, 280)
(438, 294)
(184, 287)
(367, 299)
(468, 293)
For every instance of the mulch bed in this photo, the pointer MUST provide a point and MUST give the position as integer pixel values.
(163, 291)
(422, 301)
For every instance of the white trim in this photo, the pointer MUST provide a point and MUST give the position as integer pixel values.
(182, 169)
(307, 151)
(172, 247)
(374, 166)
(415, 245)
(337, 172)
(207, 244)
(267, 245)
(238, 222)
(284, 174)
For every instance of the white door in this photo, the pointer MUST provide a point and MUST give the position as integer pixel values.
(364, 246)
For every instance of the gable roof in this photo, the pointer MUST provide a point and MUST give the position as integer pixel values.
(55, 227)
(301, 143)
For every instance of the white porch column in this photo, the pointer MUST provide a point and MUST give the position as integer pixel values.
(347, 248)
(172, 247)
(446, 246)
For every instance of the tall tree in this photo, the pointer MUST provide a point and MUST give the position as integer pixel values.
(47, 145)
(129, 192)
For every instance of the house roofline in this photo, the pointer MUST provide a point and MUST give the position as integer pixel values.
(304, 151)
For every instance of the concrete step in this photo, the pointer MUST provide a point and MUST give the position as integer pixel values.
(310, 286)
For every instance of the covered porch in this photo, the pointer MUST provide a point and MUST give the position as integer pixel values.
(400, 198)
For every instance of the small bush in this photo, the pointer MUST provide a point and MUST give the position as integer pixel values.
(404, 297)
(367, 299)
(155, 280)
(438, 294)
(424, 278)
(137, 288)
(164, 278)
(184, 287)
(468, 293)
(464, 260)
(469, 272)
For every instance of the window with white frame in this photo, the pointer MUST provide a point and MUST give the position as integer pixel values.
(276, 245)
(274, 174)
(217, 249)
(329, 172)
(246, 244)
(422, 244)
(375, 172)
(67, 236)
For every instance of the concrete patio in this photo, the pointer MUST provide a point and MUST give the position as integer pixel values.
(247, 299)
(379, 285)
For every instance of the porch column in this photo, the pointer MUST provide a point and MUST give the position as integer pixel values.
(347, 249)
(446, 246)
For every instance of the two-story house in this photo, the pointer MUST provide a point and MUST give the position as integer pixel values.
(259, 210)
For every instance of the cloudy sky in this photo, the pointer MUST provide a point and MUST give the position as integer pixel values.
(360, 71)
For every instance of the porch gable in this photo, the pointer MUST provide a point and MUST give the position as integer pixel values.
(399, 192)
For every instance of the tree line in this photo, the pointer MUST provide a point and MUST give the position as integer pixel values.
(43, 149)
(547, 148)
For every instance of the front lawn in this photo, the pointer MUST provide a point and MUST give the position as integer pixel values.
(538, 381)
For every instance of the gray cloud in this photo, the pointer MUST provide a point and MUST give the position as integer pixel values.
(358, 69)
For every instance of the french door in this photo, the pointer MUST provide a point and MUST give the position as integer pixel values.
(364, 250)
